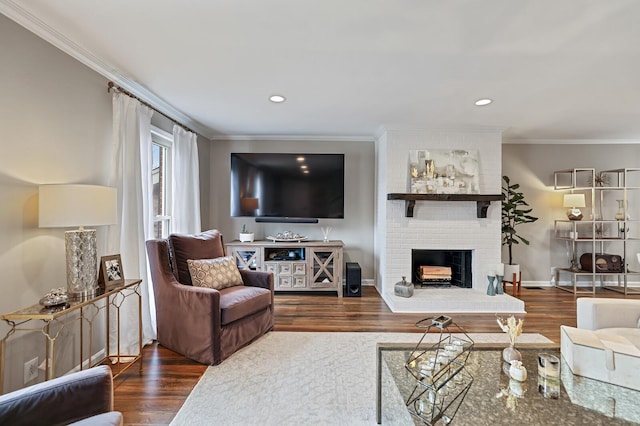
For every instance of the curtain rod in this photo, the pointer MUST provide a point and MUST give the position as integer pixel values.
(112, 86)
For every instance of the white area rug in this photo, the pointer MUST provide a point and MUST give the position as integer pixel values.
(301, 378)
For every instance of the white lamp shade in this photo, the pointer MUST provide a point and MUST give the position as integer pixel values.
(574, 200)
(62, 206)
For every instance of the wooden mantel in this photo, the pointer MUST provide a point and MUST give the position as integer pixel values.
(482, 201)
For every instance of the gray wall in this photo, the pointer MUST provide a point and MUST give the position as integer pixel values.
(355, 230)
(56, 120)
(533, 166)
(56, 128)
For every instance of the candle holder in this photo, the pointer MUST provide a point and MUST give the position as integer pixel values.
(499, 286)
(491, 290)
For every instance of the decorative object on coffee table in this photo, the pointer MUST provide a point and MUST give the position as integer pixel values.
(517, 371)
(491, 290)
(442, 382)
(512, 392)
(513, 328)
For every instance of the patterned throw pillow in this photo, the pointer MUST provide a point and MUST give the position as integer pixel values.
(218, 273)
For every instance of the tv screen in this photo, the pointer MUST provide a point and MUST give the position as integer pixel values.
(270, 185)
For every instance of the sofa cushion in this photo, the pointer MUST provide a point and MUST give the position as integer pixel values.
(241, 301)
(218, 273)
(631, 334)
(206, 245)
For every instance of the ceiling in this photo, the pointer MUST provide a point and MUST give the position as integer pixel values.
(556, 69)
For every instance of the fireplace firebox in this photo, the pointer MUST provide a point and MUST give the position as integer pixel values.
(457, 261)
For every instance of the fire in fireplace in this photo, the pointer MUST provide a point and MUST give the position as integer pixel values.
(442, 267)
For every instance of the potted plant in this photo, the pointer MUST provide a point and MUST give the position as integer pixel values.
(515, 211)
(245, 235)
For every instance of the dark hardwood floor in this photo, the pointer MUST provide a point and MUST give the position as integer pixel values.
(155, 395)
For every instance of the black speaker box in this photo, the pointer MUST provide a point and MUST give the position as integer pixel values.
(354, 280)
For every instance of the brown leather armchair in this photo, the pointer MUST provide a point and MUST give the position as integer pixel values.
(205, 324)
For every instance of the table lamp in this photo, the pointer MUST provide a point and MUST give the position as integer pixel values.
(573, 201)
(63, 206)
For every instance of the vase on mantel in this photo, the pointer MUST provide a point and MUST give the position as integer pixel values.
(510, 353)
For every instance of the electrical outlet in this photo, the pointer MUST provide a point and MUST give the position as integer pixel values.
(30, 370)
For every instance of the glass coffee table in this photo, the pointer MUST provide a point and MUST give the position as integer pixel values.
(493, 398)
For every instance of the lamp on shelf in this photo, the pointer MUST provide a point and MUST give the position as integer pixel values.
(66, 206)
(573, 201)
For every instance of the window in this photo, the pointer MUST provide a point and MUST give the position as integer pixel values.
(161, 143)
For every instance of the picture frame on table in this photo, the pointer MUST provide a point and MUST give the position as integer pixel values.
(111, 272)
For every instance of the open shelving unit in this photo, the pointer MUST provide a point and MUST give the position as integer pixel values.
(606, 228)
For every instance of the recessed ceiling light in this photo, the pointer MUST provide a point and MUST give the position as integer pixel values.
(304, 166)
(277, 98)
(300, 159)
(483, 102)
(306, 172)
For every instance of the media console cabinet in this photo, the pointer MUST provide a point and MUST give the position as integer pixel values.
(296, 266)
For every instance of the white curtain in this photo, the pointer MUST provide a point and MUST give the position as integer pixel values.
(185, 186)
(131, 175)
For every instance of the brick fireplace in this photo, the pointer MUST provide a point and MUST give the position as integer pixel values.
(437, 225)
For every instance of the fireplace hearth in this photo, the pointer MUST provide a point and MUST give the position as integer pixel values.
(442, 268)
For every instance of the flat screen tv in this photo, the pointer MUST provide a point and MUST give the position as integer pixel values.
(287, 187)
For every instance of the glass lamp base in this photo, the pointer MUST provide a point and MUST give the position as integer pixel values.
(82, 264)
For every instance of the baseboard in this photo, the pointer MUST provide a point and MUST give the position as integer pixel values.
(86, 363)
(563, 283)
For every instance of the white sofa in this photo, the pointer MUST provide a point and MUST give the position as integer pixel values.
(606, 344)
(619, 317)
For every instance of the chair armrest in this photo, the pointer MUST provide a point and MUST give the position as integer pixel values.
(257, 279)
(62, 400)
(597, 313)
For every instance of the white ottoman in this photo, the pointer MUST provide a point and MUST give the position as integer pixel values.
(607, 357)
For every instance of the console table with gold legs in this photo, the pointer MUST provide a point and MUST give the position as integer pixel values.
(55, 319)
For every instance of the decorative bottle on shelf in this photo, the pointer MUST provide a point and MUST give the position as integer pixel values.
(621, 215)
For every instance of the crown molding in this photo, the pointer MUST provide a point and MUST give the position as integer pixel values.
(16, 13)
(301, 138)
(463, 128)
(570, 141)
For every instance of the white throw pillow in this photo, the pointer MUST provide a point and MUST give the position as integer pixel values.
(218, 273)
